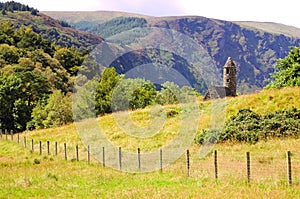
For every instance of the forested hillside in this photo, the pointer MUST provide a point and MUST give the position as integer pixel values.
(56, 31)
(255, 47)
(31, 69)
(37, 70)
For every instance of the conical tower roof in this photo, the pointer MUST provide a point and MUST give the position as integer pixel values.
(229, 63)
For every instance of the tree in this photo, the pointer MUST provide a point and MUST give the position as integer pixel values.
(19, 93)
(288, 70)
(34, 12)
(9, 54)
(56, 112)
(133, 94)
(169, 93)
(58, 77)
(70, 59)
(34, 87)
(84, 98)
(7, 33)
(144, 95)
(26, 38)
(10, 91)
(105, 88)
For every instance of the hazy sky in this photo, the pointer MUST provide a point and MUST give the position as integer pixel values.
(286, 12)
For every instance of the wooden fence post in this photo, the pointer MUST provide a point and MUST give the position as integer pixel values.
(6, 134)
(139, 159)
(161, 159)
(77, 155)
(41, 150)
(103, 156)
(32, 145)
(289, 168)
(12, 135)
(48, 147)
(56, 148)
(18, 138)
(120, 158)
(216, 164)
(188, 162)
(89, 155)
(1, 133)
(24, 141)
(248, 167)
(65, 150)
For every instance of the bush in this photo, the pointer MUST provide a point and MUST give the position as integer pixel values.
(210, 136)
(250, 127)
(36, 161)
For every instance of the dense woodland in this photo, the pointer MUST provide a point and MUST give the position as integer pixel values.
(32, 69)
(36, 76)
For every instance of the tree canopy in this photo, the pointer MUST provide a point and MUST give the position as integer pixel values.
(31, 69)
(287, 72)
(15, 6)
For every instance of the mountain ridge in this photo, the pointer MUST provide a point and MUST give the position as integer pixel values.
(108, 15)
(254, 46)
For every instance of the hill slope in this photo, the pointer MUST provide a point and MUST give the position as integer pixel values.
(26, 173)
(268, 101)
(254, 46)
(270, 27)
(52, 29)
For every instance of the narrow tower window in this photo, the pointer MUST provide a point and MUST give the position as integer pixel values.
(227, 71)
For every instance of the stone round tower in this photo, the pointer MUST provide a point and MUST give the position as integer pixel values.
(229, 77)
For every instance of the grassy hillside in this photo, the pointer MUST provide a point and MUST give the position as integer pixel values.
(271, 28)
(26, 174)
(262, 102)
(94, 16)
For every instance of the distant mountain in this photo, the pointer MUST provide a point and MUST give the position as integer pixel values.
(56, 31)
(254, 46)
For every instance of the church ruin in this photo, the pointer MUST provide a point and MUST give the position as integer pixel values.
(229, 83)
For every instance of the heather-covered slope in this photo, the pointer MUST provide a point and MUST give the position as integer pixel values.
(254, 46)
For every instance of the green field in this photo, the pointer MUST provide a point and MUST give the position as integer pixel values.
(27, 174)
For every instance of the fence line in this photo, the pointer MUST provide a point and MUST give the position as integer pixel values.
(253, 164)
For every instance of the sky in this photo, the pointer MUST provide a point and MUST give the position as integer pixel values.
(285, 12)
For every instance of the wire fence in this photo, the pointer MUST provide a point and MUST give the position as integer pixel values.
(252, 167)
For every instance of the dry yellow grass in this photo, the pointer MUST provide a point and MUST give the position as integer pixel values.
(55, 177)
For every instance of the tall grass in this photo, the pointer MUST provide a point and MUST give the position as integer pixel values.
(26, 174)
(262, 102)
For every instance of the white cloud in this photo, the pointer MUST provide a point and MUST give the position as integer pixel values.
(148, 7)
